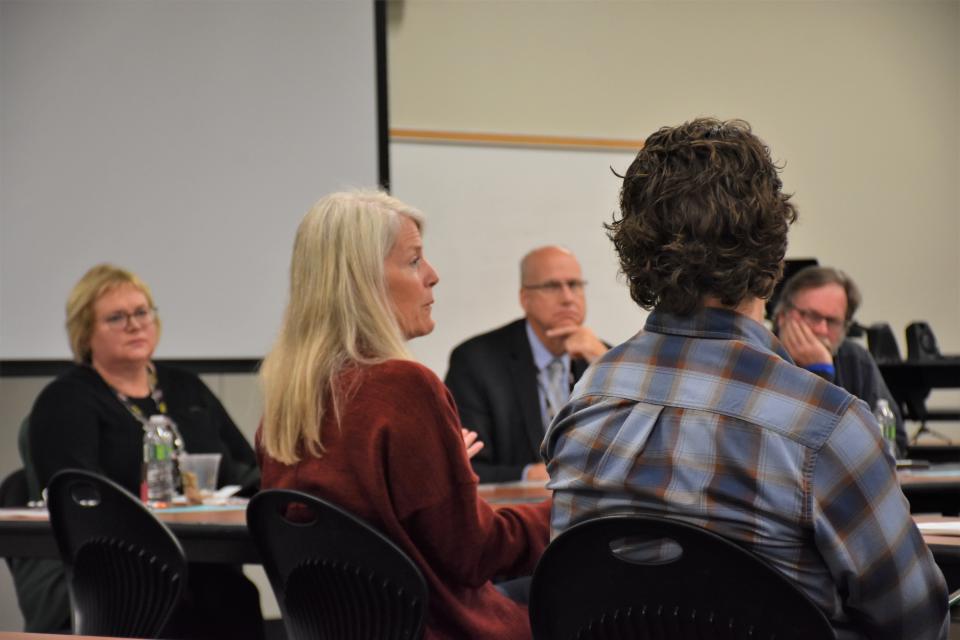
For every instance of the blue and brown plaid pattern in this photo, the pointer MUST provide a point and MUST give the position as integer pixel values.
(706, 419)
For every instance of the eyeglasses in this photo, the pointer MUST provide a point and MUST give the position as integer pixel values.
(555, 287)
(813, 318)
(118, 320)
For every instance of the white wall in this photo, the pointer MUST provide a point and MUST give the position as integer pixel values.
(859, 100)
(483, 215)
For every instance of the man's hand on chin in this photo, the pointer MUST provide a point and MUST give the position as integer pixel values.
(579, 341)
(804, 347)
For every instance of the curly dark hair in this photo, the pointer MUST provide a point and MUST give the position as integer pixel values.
(702, 214)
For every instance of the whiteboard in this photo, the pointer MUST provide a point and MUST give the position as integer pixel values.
(182, 140)
(486, 207)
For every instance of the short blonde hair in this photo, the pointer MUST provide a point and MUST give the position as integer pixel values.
(84, 295)
(339, 314)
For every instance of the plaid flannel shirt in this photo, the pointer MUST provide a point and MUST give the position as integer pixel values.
(706, 419)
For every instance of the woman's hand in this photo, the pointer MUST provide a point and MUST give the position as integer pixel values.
(470, 442)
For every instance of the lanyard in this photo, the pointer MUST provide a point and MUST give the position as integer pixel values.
(156, 394)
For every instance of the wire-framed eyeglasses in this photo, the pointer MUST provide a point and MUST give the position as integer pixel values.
(812, 318)
(556, 287)
(119, 320)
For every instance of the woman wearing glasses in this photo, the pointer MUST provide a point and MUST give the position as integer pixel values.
(91, 418)
(351, 418)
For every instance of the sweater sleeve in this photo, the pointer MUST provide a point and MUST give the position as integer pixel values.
(64, 430)
(435, 493)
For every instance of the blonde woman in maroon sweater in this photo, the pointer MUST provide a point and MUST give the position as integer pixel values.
(350, 417)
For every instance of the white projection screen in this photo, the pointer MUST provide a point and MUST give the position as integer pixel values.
(184, 140)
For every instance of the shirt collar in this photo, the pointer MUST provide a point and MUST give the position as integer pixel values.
(541, 355)
(723, 324)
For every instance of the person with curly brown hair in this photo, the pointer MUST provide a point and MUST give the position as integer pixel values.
(704, 417)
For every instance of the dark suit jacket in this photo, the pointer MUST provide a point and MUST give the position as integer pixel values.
(858, 373)
(494, 381)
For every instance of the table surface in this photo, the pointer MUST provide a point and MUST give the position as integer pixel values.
(942, 476)
(949, 476)
(935, 451)
(207, 535)
(220, 534)
(937, 476)
(911, 381)
(22, 635)
(920, 374)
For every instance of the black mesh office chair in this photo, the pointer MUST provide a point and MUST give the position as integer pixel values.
(644, 577)
(882, 344)
(334, 575)
(125, 570)
(921, 343)
(14, 493)
(13, 490)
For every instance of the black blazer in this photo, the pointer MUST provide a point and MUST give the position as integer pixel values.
(494, 382)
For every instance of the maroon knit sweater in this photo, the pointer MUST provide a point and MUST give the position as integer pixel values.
(398, 462)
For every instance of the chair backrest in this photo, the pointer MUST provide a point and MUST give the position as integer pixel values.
(13, 490)
(23, 445)
(629, 576)
(125, 570)
(921, 343)
(882, 344)
(14, 493)
(334, 575)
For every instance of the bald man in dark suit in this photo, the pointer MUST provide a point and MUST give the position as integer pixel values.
(499, 379)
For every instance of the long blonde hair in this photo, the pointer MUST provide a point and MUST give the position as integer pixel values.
(338, 314)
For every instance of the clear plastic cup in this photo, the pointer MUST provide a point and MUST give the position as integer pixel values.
(203, 467)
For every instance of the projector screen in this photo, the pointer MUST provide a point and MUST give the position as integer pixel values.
(181, 140)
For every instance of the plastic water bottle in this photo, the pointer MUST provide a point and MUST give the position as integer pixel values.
(888, 425)
(159, 462)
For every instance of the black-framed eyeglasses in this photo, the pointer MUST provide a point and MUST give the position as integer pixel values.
(813, 318)
(555, 287)
(119, 320)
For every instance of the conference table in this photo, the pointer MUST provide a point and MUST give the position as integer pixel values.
(208, 534)
(219, 533)
(935, 489)
(935, 452)
(911, 382)
(23, 635)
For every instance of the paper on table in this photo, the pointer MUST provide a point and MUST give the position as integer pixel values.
(941, 528)
(200, 508)
(25, 513)
(226, 492)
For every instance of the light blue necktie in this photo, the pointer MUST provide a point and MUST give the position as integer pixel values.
(555, 390)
